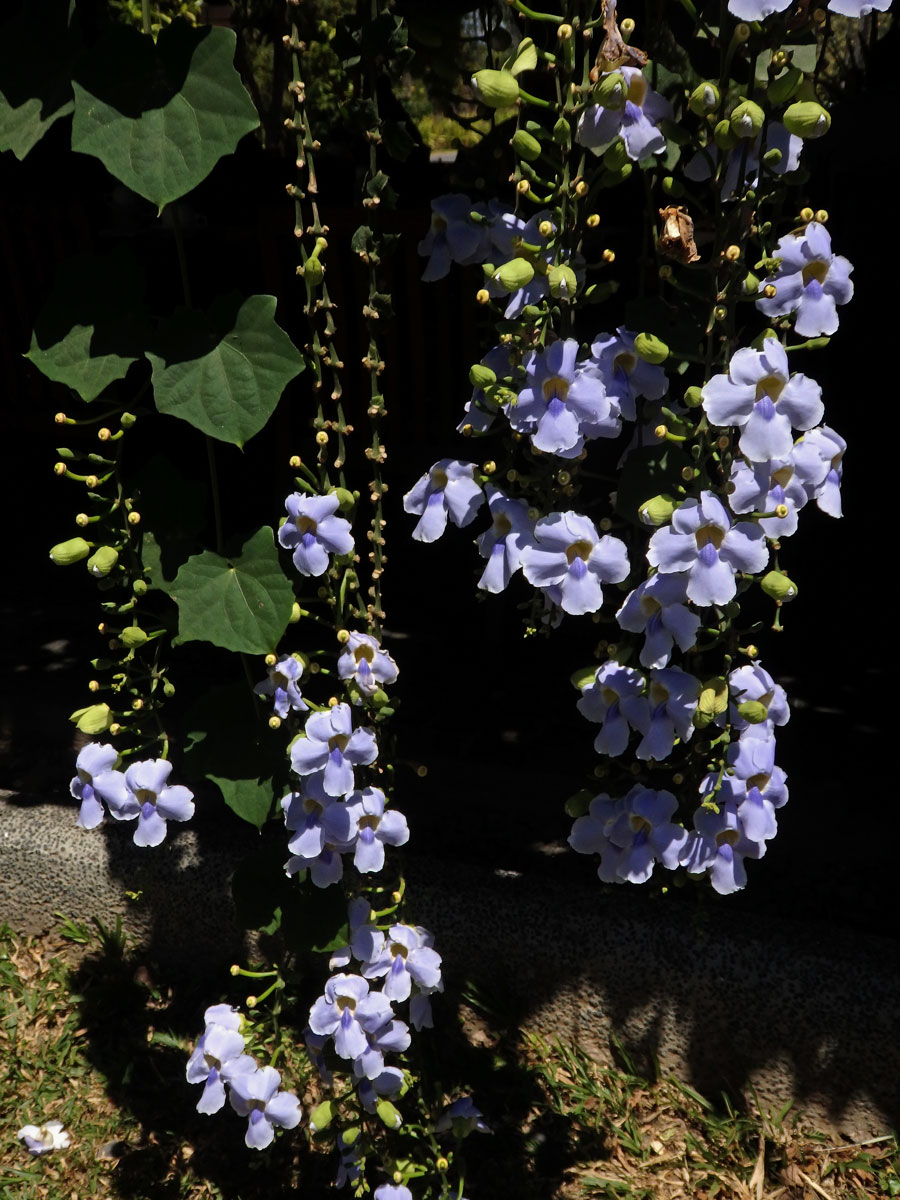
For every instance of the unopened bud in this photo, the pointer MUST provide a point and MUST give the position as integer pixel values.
(104, 434)
(651, 348)
(270, 660)
(102, 561)
(657, 510)
(72, 551)
(59, 468)
(704, 99)
(388, 1114)
(481, 376)
(822, 216)
(565, 32)
(127, 420)
(747, 120)
(134, 517)
(139, 587)
(496, 89)
(741, 31)
(693, 397)
(724, 136)
(274, 722)
(546, 229)
(769, 291)
(515, 274)
(133, 636)
(806, 214)
(82, 520)
(321, 438)
(806, 119)
(612, 90)
(60, 418)
(526, 146)
(562, 281)
(523, 187)
(321, 1116)
(483, 296)
(592, 221)
(773, 157)
(753, 712)
(777, 585)
(733, 253)
(627, 27)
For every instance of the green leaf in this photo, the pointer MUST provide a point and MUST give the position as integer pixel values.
(37, 49)
(159, 116)
(224, 371)
(249, 798)
(242, 603)
(92, 328)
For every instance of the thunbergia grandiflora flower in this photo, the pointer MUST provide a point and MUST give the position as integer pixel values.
(810, 282)
(313, 533)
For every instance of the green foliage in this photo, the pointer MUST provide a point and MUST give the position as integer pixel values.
(160, 116)
(242, 603)
(92, 327)
(224, 371)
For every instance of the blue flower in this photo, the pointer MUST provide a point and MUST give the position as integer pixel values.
(282, 686)
(312, 532)
(142, 792)
(92, 760)
(446, 489)
(255, 1094)
(562, 403)
(502, 545)
(636, 122)
(569, 560)
(363, 661)
(810, 281)
(330, 743)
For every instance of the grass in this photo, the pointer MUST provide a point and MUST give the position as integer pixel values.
(88, 1036)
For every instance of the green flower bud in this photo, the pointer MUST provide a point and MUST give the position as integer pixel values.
(346, 500)
(562, 281)
(781, 90)
(704, 99)
(496, 89)
(747, 120)
(616, 156)
(657, 510)
(777, 585)
(651, 349)
(481, 376)
(713, 701)
(96, 718)
(313, 271)
(321, 1116)
(526, 146)
(577, 805)
(671, 187)
(761, 338)
(693, 397)
(350, 1135)
(613, 178)
(388, 1114)
(773, 157)
(72, 551)
(753, 711)
(514, 274)
(750, 286)
(133, 637)
(612, 91)
(127, 420)
(724, 137)
(168, 689)
(102, 561)
(562, 133)
(140, 587)
(295, 614)
(806, 119)
(583, 676)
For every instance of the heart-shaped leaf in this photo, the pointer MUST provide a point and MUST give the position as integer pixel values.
(242, 603)
(224, 371)
(160, 116)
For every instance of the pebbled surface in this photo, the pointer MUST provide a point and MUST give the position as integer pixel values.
(795, 1012)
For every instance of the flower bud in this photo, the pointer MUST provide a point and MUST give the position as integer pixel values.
(562, 133)
(611, 92)
(773, 157)
(312, 271)
(583, 677)
(526, 146)
(747, 120)
(806, 119)
(657, 510)
(562, 281)
(320, 1117)
(133, 636)
(139, 587)
(616, 156)
(713, 701)
(651, 349)
(346, 500)
(724, 137)
(704, 99)
(515, 274)
(693, 397)
(388, 1114)
(496, 89)
(127, 420)
(96, 718)
(753, 712)
(577, 805)
(72, 551)
(102, 561)
(777, 585)
(781, 90)
(168, 689)
(481, 376)
(295, 614)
